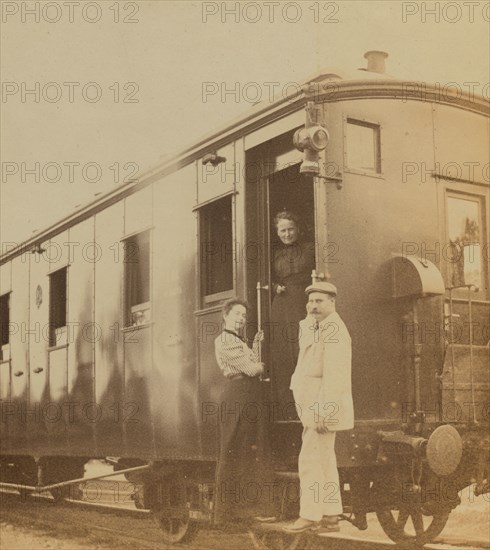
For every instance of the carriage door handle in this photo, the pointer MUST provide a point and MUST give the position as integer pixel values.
(259, 288)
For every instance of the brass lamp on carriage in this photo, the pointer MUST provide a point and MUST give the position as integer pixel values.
(311, 139)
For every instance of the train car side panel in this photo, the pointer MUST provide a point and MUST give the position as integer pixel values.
(39, 317)
(137, 320)
(376, 197)
(109, 365)
(217, 278)
(174, 385)
(19, 349)
(460, 140)
(82, 337)
(5, 352)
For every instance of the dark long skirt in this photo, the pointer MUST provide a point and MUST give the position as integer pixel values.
(244, 473)
(288, 310)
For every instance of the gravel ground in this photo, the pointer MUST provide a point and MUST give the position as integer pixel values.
(19, 538)
(26, 527)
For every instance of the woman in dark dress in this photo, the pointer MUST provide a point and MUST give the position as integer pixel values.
(293, 262)
(244, 474)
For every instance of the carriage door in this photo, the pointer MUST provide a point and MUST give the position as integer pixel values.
(275, 185)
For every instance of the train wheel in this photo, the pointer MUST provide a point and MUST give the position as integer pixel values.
(172, 512)
(424, 525)
(176, 525)
(55, 469)
(138, 497)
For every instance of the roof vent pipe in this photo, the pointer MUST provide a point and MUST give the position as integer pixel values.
(376, 61)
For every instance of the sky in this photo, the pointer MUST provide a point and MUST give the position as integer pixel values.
(93, 92)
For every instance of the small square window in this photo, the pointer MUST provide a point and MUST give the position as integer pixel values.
(363, 146)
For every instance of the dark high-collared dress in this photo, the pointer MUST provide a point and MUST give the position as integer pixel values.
(244, 473)
(292, 267)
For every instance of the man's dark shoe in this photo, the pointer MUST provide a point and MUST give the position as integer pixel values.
(330, 524)
(360, 521)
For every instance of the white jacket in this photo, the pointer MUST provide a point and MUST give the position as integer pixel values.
(321, 383)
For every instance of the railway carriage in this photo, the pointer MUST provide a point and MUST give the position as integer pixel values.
(109, 315)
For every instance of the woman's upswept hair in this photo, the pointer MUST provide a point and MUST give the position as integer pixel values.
(231, 303)
(286, 215)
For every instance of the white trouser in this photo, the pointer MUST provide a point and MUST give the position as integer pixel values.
(318, 475)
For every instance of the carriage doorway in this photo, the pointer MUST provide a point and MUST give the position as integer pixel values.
(280, 195)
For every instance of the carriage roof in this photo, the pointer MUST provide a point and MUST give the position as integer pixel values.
(329, 85)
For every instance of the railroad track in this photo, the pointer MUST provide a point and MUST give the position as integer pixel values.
(103, 526)
(268, 536)
(115, 526)
(95, 522)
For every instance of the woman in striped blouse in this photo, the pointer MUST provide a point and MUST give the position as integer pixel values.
(243, 472)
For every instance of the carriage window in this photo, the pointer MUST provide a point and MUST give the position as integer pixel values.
(216, 248)
(137, 279)
(4, 319)
(57, 307)
(363, 146)
(464, 255)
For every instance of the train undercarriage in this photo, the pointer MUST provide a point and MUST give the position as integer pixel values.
(412, 486)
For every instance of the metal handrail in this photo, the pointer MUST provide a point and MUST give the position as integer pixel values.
(259, 288)
(471, 288)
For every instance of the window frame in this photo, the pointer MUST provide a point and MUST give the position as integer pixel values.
(461, 191)
(211, 300)
(7, 297)
(52, 328)
(142, 306)
(366, 123)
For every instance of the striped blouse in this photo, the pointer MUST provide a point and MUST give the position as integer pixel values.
(235, 357)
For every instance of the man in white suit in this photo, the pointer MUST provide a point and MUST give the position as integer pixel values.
(321, 386)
